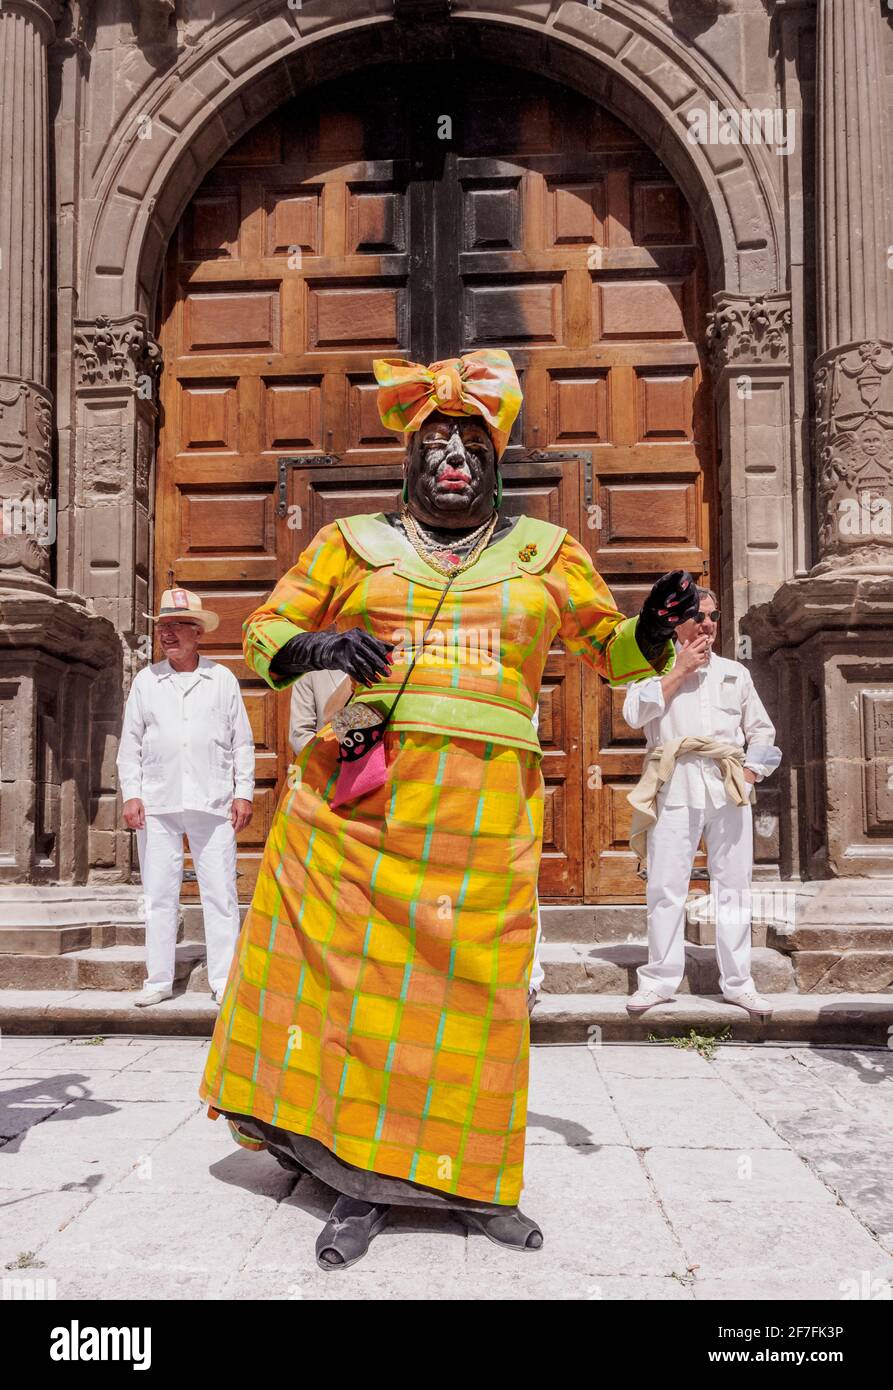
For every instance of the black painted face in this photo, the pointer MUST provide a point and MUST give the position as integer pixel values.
(451, 471)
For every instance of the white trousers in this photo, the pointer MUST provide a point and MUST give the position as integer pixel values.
(672, 843)
(212, 844)
(537, 973)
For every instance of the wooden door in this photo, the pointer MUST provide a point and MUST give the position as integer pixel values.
(349, 227)
(572, 247)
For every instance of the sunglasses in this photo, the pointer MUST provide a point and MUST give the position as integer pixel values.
(699, 617)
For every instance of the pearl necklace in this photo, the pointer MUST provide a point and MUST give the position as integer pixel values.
(427, 550)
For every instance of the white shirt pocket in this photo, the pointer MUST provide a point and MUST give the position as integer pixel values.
(729, 709)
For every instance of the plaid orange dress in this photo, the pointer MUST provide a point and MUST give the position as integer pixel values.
(377, 1001)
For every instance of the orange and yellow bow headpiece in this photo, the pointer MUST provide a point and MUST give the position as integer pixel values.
(481, 383)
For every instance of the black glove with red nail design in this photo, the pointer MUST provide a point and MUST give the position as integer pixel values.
(673, 599)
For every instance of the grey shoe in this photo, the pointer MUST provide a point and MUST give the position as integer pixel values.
(152, 996)
(346, 1236)
(511, 1228)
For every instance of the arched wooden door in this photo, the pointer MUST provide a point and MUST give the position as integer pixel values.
(419, 212)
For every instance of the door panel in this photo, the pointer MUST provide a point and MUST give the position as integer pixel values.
(577, 252)
(343, 228)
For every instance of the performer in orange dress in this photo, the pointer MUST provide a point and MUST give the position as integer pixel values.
(374, 1029)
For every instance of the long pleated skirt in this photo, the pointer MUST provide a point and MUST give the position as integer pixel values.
(377, 1000)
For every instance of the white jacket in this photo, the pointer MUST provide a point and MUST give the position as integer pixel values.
(719, 700)
(186, 746)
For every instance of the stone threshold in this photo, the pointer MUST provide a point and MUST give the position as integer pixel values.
(842, 1019)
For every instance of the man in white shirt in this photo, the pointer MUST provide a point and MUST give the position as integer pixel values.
(186, 767)
(703, 695)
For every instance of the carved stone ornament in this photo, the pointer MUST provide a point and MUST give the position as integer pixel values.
(145, 441)
(154, 19)
(79, 12)
(747, 330)
(854, 452)
(27, 512)
(113, 352)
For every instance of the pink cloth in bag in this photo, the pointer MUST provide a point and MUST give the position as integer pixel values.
(362, 776)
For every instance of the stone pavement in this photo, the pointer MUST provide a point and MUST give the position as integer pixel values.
(655, 1174)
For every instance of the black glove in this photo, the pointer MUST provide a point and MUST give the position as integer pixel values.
(362, 656)
(673, 599)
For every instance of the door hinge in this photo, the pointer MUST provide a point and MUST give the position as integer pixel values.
(553, 456)
(298, 461)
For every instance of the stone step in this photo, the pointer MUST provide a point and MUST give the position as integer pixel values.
(55, 919)
(574, 968)
(593, 923)
(59, 941)
(193, 921)
(46, 941)
(97, 968)
(844, 901)
(830, 972)
(597, 924)
(813, 937)
(839, 1019)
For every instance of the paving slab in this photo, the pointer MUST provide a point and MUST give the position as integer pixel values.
(689, 1112)
(733, 1175)
(655, 1173)
(649, 1060)
(835, 1109)
(28, 1218)
(126, 1231)
(202, 1151)
(85, 1145)
(758, 1236)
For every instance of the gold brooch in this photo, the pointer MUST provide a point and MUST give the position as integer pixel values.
(527, 553)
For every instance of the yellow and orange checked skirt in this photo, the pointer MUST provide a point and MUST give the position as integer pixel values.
(377, 1000)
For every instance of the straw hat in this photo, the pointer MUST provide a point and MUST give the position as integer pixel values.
(183, 603)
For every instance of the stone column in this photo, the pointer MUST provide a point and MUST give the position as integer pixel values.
(854, 369)
(830, 629)
(27, 518)
(53, 649)
(750, 342)
(116, 364)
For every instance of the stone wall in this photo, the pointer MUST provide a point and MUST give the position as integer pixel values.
(137, 99)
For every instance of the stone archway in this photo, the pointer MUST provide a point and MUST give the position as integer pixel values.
(543, 225)
(628, 61)
(181, 123)
(178, 125)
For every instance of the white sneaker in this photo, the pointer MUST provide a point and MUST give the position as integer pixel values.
(644, 999)
(754, 1003)
(152, 996)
